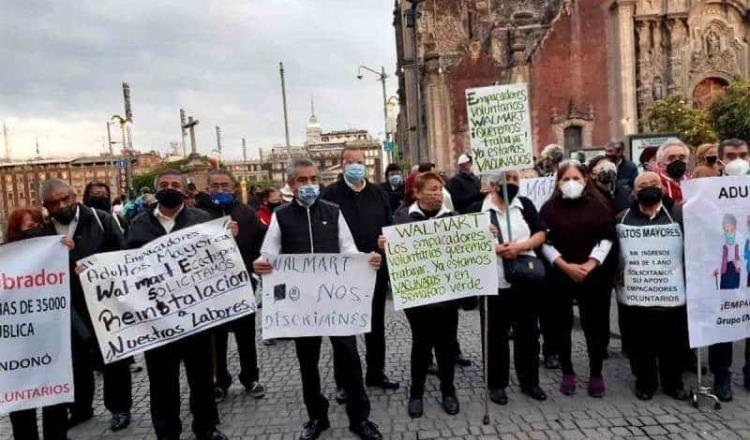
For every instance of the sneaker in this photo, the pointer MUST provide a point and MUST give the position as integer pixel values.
(596, 386)
(568, 384)
(256, 390)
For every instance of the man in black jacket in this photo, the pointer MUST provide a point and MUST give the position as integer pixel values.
(464, 187)
(366, 210)
(308, 225)
(221, 201)
(93, 231)
(163, 363)
(393, 186)
(627, 171)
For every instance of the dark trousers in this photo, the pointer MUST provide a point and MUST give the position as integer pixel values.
(308, 354)
(517, 308)
(657, 343)
(547, 319)
(117, 379)
(720, 361)
(435, 327)
(54, 423)
(374, 341)
(593, 298)
(244, 334)
(163, 365)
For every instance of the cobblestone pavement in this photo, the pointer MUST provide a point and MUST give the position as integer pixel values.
(280, 414)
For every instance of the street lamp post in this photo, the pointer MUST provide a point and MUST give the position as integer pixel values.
(411, 21)
(382, 77)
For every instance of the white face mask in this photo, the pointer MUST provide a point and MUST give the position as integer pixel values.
(737, 167)
(572, 189)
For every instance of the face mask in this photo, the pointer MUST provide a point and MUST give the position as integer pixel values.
(711, 160)
(572, 189)
(729, 237)
(170, 198)
(676, 169)
(512, 192)
(737, 167)
(607, 177)
(649, 196)
(65, 215)
(36, 231)
(223, 199)
(613, 158)
(272, 206)
(395, 179)
(308, 194)
(355, 172)
(100, 202)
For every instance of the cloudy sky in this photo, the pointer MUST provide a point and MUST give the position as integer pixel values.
(63, 63)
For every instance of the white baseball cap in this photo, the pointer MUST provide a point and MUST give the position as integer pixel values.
(464, 158)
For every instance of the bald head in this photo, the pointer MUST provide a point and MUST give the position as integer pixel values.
(645, 180)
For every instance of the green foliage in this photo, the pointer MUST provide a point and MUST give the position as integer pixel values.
(672, 114)
(730, 113)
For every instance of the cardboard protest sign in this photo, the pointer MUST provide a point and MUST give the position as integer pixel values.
(651, 265)
(318, 295)
(441, 260)
(35, 364)
(175, 286)
(717, 258)
(500, 128)
(538, 190)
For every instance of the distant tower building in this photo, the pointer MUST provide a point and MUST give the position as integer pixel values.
(313, 126)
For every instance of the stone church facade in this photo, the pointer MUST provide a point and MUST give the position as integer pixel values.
(593, 66)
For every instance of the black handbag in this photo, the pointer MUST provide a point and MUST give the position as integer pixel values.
(525, 269)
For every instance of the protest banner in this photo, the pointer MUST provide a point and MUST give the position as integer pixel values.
(35, 364)
(538, 190)
(651, 266)
(717, 250)
(500, 128)
(318, 295)
(175, 286)
(441, 260)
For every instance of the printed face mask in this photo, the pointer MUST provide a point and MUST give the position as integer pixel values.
(395, 179)
(308, 194)
(223, 199)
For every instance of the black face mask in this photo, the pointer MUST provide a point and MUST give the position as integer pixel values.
(170, 198)
(65, 215)
(34, 232)
(100, 202)
(676, 169)
(649, 196)
(272, 206)
(512, 192)
(711, 160)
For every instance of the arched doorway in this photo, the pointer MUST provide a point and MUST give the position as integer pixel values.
(707, 91)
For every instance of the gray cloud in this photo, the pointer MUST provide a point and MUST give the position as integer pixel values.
(63, 63)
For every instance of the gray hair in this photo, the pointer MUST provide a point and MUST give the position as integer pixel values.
(291, 172)
(170, 173)
(669, 143)
(496, 177)
(221, 172)
(553, 152)
(729, 219)
(53, 185)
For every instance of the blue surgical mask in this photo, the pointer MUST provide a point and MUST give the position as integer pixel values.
(395, 179)
(223, 199)
(355, 172)
(308, 194)
(730, 238)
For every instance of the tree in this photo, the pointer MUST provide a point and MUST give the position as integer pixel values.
(672, 114)
(730, 113)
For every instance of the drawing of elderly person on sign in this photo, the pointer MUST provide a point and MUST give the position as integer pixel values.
(730, 268)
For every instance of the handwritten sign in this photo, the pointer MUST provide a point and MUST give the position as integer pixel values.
(318, 295)
(500, 128)
(651, 266)
(35, 364)
(441, 260)
(538, 190)
(175, 286)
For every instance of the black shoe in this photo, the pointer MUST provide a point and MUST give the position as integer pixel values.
(312, 429)
(77, 417)
(213, 434)
(383, 383)
(535, 393)
(498, 396)
(432, 369)
(366, 430)
(551, 362)
(723, 392)
(450, 405)
(119, 421)
(135, 368)
(341, 395)
(677, 393)
(644, 394)
(416, 408)
(269, 342)
(463, 361)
